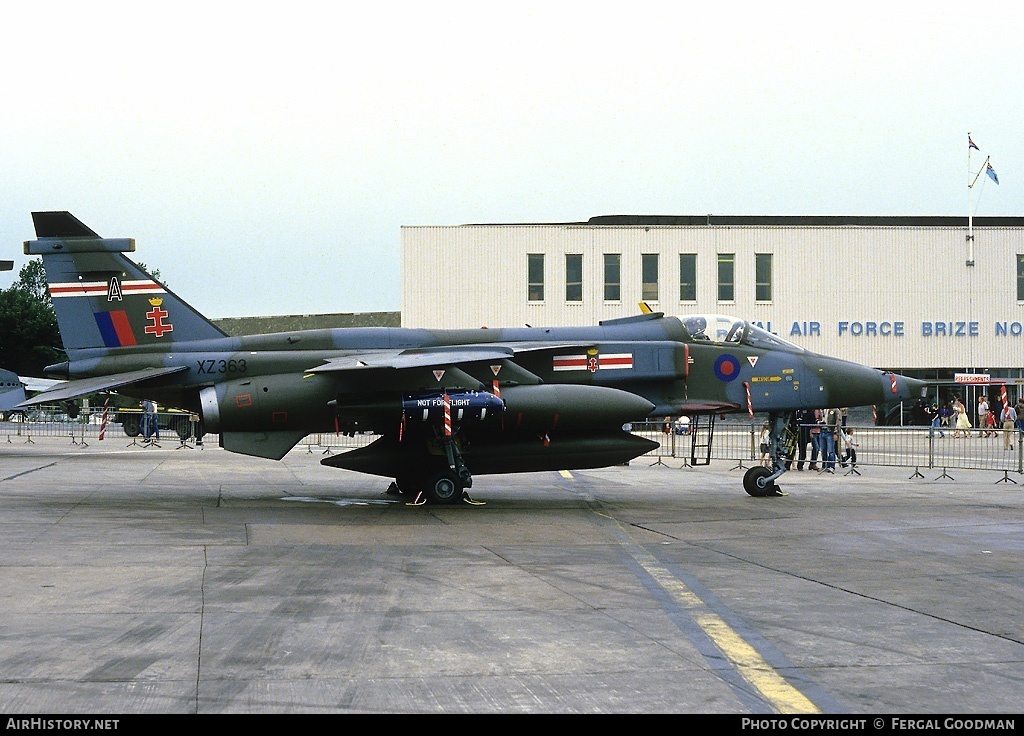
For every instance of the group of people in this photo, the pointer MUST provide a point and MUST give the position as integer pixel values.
(1007, 421)
(830, 439)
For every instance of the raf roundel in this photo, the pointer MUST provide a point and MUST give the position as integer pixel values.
(727, 368)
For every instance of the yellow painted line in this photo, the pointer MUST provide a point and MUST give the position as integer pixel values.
(751, 665)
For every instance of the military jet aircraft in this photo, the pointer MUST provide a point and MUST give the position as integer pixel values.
(447, 404)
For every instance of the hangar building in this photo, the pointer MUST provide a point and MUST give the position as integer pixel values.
(931, 297)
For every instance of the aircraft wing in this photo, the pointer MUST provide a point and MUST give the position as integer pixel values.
(411, 358)
(84, 386)
(436, 356)
(39, 384)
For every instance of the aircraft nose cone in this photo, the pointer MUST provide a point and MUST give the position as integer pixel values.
(852, 384)
(901, 387)
(847, 384)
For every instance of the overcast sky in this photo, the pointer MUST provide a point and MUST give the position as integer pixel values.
(265, 155)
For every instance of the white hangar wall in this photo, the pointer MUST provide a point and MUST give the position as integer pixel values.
(891, 292)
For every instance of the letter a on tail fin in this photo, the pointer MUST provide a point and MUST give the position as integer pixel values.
(101, 297)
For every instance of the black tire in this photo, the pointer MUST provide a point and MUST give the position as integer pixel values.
(131, 427)
(444, 488)
(754, 482)
(184, 431)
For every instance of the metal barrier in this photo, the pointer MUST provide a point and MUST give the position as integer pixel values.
(735, 441)
(908, 447)
(732, 441)
(94, 425)
(329, 443)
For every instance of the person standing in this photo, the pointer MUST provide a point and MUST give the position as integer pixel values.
(983, 416)
(1009, 422)
(765, 445)
(150, 422)
(936, 421)
(829, 435)
(815, 434)
(803, 420)
(963, 422)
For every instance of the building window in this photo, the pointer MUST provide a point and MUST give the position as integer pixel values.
(612, 263)
(649, 277)
(535, 276)
(1020, 277)
(763, 277)
(574, 277)
(687, 277)
(726, 277)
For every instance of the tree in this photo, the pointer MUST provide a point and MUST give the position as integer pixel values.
(29, 338)
(155, 273)
(32, 278)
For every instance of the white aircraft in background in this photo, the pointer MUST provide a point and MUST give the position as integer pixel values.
(15, 389)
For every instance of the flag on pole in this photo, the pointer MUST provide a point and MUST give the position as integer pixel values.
(971, 144)
(991, 173)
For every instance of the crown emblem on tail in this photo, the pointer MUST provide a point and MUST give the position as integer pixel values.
(156, 301)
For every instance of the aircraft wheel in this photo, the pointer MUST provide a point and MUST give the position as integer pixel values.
(444, 488)
(131, 427)
(754, 482)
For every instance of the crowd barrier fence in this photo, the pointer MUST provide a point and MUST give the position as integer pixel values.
(734, 441)
(910, 447)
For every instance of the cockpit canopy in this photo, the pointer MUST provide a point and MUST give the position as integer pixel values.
(722, 328)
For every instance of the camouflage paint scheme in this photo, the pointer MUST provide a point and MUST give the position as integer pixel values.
(447, 403)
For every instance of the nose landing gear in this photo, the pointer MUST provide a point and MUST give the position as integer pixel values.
(759, 481)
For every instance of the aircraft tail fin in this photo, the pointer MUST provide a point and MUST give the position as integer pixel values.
(102, 298)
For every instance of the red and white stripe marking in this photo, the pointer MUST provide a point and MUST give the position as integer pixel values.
(605, 362)
(101, 288)
(103, 420)
(447, 415)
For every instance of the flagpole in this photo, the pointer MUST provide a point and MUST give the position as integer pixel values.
(970, 209)
(970, 200)
(970, 204)
(970, 243)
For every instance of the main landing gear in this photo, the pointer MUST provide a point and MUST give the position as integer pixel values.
(436, 483)
(759, 480)
(443, 489)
